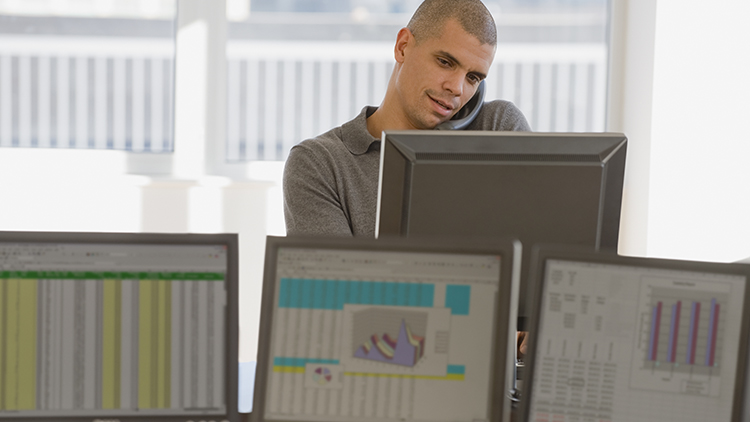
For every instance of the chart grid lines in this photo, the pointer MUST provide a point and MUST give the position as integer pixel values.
(693, 333)
(673, 331)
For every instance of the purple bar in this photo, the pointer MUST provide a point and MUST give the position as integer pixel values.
(711, 338)
(714, 333)
(654, 340)
(674, 330)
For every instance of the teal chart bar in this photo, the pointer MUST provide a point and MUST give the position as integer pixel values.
(334, 294)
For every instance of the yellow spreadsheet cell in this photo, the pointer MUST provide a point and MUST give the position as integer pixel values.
(111, 343)
(3, 306)
(11, 346)
(154, 344)
(19, 358)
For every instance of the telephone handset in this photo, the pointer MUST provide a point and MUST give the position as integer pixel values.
(467, 114)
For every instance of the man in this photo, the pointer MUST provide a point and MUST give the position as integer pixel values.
(331, 181)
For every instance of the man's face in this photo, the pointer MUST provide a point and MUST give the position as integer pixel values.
(440, 74)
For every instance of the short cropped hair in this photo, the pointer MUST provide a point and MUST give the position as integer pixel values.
(472, 15)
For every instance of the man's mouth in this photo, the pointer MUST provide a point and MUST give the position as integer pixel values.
(444, 105)
(441, 104)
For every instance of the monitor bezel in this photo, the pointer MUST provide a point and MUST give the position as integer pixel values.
(504, 359)
(230, 240)
(543, 253)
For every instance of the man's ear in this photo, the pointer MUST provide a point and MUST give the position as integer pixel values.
(403, 39)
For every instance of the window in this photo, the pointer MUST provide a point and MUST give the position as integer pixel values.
(85, 74)
(298, 68)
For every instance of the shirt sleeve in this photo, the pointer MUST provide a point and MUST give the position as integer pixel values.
(311, 201)
(513, 119)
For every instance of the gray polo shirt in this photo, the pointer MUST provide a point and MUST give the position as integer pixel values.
(331, 181)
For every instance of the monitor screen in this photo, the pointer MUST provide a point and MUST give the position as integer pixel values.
(385, 331)
(536, 187)
(633, 339)
(118, 327)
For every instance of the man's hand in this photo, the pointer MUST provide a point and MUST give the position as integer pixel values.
(521, 344)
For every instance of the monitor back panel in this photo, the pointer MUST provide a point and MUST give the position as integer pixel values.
(128, 327)
(385, 330)
(536, 187)
(619, 338)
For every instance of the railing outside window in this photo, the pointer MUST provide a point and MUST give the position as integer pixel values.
(297, 69)
(76, 74)
(284, 92)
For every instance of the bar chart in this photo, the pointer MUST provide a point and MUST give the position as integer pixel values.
(681, 333)
(684, 330)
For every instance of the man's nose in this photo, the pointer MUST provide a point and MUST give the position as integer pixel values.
(455, 84)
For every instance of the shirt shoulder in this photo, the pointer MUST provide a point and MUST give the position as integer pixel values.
(500, 115)
(349, 139)
(324, 144)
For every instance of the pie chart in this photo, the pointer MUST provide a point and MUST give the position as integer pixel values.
(322, 376)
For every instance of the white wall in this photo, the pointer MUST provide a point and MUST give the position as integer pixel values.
(700, 185)
(681, 96)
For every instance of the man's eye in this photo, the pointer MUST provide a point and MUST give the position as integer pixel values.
(443, 62)
(474, 79)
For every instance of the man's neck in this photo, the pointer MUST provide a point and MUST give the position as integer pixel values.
(382, 119)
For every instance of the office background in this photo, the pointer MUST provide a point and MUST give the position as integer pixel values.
(670, 74)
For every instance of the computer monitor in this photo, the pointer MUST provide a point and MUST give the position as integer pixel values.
(398, 330)
(635, 339)
(536, 187)
(118, 327)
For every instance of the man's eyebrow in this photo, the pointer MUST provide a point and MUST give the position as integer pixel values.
(452, 58)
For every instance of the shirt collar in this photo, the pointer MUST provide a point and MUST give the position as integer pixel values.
(354, 133)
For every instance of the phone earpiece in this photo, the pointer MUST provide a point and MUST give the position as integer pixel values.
(468, 112)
